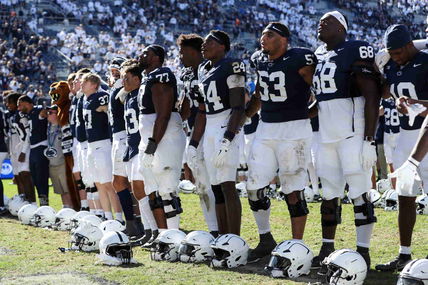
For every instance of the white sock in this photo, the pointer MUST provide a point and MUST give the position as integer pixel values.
(208, 209)
(92, 211)
(118, 216)
(364, 232)
(142, 216)
(84, 203)
(405, 250)
(95, 196)
(147, 213)
(174, 222)
(108, 215)
(89, 196)
(326, 240)
(262, 220)
(99, 212)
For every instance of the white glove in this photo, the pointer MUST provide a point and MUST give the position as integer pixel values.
(406, 175)
(191, 157)
(368, 155)
(220, 158)
(148, 160)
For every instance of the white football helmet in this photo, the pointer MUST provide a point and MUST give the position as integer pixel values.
(383, 185)
(76, 219)
(309, 194)
(115, 249)
(196, 247)
(63, 219)
(111, 225)
(186, 187)
(345, 266)
(290, 258)
(241, 187)
(26, 213)
(44, 217)
(86, 238)
(422, 205)
(414, 273)
(92, 219)
(167, 244)
(391, 200)
(230, 251)
(375, 197)
(15, 204)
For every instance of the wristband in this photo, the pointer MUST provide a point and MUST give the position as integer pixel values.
(414, 161)
(194, 143)
(229, 135)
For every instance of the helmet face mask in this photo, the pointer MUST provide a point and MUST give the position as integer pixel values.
(80, 241)
(279, 264)
(345, 266)
(120, 251)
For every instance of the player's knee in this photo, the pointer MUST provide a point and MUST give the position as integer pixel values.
(218, 194)
(172, 206)
(296, 203)
(155, 201)
(258, 199)
(363, 211)
(331, 212)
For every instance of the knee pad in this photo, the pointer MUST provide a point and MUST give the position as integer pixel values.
(155, 203)
(335, 210)
(364, 206)
(92, 189)
(218, 194)
(80, 185)
(175, 203)
(258, 199)
(300, 208)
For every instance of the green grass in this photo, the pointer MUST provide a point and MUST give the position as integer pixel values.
(35, 250)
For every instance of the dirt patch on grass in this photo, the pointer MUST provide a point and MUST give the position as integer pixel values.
(54, 279)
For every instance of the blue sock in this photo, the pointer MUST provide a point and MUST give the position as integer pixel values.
(126, 202)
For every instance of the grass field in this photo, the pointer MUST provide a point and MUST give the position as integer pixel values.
(30, 255)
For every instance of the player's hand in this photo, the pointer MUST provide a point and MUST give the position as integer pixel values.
(220, 158)
(406, 175)
(191, 157)
(401, 104)
(21, 157)
(368, 155)
(147, 161)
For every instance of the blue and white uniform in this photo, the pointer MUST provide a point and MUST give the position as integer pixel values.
(391, 129)
(19, 140)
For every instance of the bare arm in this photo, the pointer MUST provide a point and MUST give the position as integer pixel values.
(199, 126)
(255, 103)
(163, 100)
(307, 72)
(185, 109)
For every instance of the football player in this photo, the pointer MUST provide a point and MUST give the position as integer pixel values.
(162, 137)
(39, 164)
(84, 205)
(99, 145)
(131, 76)
(346, 88)
(283, 137)
(222, 82)
(19, 147)
(191, 57)
(405, 75)
(117, 122)
(391, 131)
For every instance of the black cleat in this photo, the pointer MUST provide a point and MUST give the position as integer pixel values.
(143, 239)
(214, 233)
(325, 251)
(132, 230)
(151, 242)
(396, 264)
(264, 248)
(365, 253)
(3, 211)
(84, 209)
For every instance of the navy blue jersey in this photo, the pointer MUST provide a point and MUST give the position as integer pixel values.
(3, 131)
(96, 121)
(18, 124)
(392, 119)
(251, 127)
(80, 121)
(159, 75)
(283, 91)
(213, 83)
(191, 91)
(72, 116)
(410, 80)
(38, 126)
(333, 76)
(132, 112)
(115, 108)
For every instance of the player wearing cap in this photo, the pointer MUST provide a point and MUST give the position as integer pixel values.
(222, 83)
(283, 137)
(346, 88)
(162, 138)
(406, 76)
